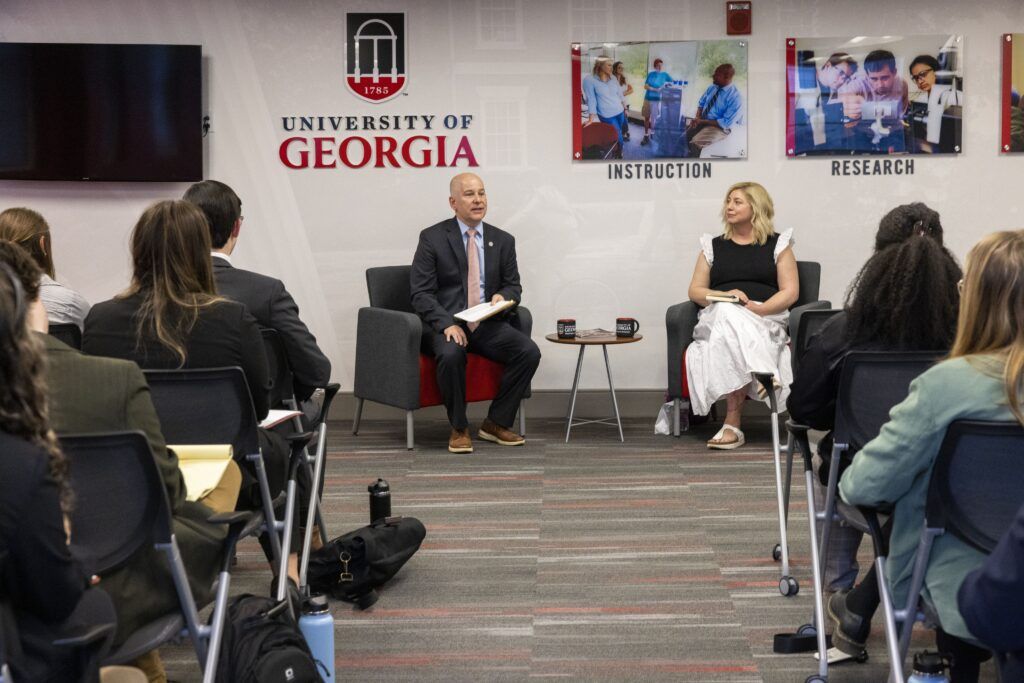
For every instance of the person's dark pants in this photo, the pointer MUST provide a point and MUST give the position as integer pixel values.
(275, 460)
(967, 658)
(495, 340)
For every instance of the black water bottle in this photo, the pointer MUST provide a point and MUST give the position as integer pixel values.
(380, 500)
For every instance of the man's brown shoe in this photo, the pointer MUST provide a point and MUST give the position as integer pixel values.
(498, 434)
(459, 441)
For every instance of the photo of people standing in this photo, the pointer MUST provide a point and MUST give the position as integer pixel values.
(891, 95)
(668, 100)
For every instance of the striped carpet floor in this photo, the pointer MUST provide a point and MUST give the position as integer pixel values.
(647, 560)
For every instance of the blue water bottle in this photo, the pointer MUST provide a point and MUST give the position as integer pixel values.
(317, 626)
(929, 667)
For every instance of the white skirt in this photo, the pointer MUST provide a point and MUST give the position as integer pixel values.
(729, 343)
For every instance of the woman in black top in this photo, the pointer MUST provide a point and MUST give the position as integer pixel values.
(171, 317)
(44, 591)
(904, 299)
(756, 266)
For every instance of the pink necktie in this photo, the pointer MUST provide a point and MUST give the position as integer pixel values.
(473, 278)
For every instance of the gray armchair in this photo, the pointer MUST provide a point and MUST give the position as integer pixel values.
(390, 365)
(680, 320)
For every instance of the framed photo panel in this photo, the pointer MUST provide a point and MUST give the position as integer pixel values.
(874, 95)
(665, 100)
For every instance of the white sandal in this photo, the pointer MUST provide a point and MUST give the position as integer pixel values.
(728, 445)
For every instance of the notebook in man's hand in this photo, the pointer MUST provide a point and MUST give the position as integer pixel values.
(484, 311)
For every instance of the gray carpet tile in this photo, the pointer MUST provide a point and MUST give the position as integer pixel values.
(648, 560)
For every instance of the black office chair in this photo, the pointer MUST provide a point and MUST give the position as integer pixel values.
(871, 384)
(975, 491)
(67, 333)
(214, 406)
(121, 504)
(283, 393)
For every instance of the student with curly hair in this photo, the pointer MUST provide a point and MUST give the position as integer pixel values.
(903, 299)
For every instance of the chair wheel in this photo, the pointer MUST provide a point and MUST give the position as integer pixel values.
(777, 552)
(788, 586)
(807, 630)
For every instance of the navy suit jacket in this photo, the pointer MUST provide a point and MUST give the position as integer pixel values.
(991, 600)
(273, 307)
(440, 269)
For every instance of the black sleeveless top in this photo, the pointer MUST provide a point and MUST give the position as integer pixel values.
(747, 267)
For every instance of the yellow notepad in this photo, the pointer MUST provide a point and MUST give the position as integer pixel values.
(202, 466)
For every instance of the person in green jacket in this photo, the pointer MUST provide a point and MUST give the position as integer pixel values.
(982, 379)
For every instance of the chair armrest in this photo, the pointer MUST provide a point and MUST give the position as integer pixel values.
(88, 635)
(680, 320)
(799, 432)
(522, 320)
(878, 539)
(387, 357)
(797, 311)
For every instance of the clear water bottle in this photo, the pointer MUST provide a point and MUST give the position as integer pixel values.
(929, 667)
(317, 626)
(380, 500)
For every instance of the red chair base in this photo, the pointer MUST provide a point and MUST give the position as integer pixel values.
(483, 377)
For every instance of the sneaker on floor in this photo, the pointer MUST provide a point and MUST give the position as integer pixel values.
(459, 441)
(491, 431)
(646, 140)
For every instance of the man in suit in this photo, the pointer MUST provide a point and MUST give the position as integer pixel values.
(461, 262)
(93, 394)
(265, 297)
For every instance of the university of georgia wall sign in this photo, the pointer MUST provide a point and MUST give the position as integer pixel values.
(376, 59)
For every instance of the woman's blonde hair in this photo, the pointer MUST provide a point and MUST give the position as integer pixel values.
(172, 272)
(991, 317)
(598, 63)
(29, 230)
(763, 210)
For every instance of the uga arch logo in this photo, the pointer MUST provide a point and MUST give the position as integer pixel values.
(375, 55)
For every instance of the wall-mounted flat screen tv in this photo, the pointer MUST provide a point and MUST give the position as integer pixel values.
(100, 112)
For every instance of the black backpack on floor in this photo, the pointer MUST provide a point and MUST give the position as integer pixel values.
(350, 567)
(262, 644)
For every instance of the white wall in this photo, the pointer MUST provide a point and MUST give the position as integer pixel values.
(588, 247)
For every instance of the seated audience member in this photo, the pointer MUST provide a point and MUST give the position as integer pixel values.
(44, 590)
(981, 380)
(29, 230)
(91, 394)
(265, 297)
(171, 317)
(991, 600)
(904, 299)
(754, 263)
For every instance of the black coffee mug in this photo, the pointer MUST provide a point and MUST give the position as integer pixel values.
(566, 328)
(626, 327)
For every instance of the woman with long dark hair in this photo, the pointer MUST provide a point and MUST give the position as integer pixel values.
(44, 592)
(171, 317)
(903, 299)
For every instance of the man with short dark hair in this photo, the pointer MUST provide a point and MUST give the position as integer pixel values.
(878, 102)
(651, 110)
(265, 297)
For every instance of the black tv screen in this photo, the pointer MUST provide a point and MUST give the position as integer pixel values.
(100, 112)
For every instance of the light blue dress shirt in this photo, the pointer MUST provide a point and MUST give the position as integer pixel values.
(726, 108)
(479, 249)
